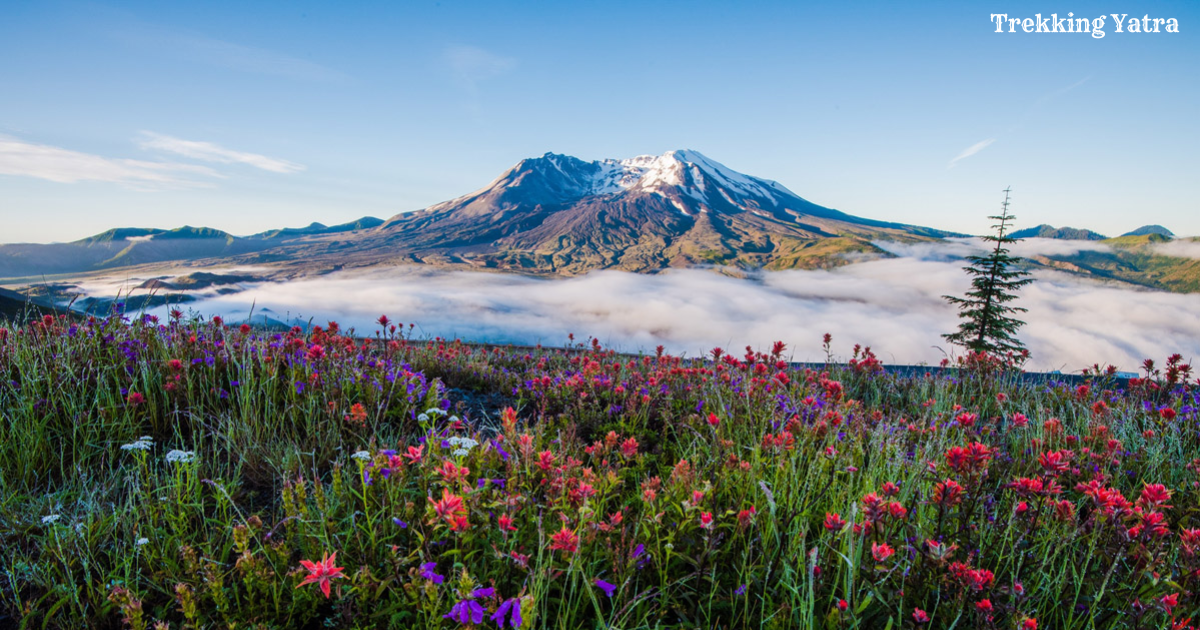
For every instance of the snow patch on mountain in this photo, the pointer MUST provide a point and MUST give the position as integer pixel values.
(687, 172)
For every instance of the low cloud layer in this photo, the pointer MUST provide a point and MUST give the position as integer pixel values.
(1182, 248)
(892, 305)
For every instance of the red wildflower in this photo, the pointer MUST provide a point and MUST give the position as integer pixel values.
(629, 448)
(451, 472)
(322, 572)
(947, 493)
(1154, 495)
(1190, 541)
(565, 540)
(713, 420)
(833, 522)
(745, 517)
(881, 551)
(506, 523)
(984, 605)
(843, 605)
(920, 616)
(451, 509)
(1055, 462)
(706, 520)
(1029, 624)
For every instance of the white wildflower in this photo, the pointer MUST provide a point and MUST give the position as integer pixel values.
(459, 452)
(180, 457)
(142, 541)
(361, 455)
(437, 411)
(50, 518)
(423, 418)
(139, 445)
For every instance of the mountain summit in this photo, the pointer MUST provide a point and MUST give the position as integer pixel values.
(561, 214)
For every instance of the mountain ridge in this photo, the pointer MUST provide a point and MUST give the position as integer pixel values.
(560, 215)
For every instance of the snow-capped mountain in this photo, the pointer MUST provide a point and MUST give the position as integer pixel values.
(562, 214)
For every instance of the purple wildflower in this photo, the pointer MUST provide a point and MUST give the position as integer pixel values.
(608, 587)
(401, 524)
(428, 574)
(466, 611)
(512, 605)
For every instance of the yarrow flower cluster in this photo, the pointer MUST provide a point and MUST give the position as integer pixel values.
(177, 456)
(463, 445)
(143, 443)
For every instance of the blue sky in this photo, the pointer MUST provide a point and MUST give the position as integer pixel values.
(247, 116)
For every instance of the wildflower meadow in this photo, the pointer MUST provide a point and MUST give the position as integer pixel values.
(187, 473)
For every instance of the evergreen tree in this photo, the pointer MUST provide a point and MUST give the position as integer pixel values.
(988, 324)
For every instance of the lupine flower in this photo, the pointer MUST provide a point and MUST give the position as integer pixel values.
(607, 587)
(322, 572)
(512, 606)
(466, 611)
(399, 523)
(427, 572)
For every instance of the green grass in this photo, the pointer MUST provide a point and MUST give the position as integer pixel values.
(699, 490)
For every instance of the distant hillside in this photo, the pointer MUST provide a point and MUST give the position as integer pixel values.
(1134, 259)
(320, 228)
(1064, 233)
(1151, 229)
(126, 247)
(15, 306)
